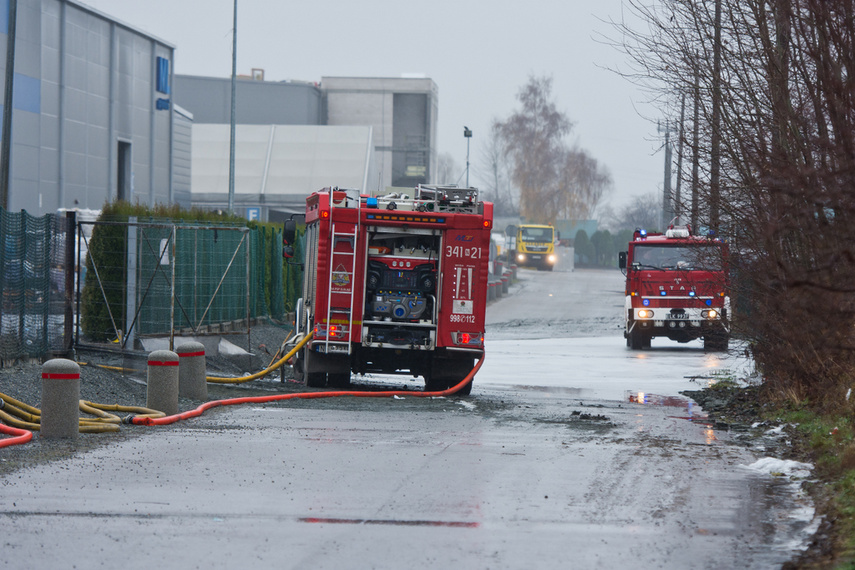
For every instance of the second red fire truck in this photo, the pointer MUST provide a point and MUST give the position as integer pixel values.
(394, 284)
(676, 287)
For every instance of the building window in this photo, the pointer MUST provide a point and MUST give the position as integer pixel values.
(163, 75)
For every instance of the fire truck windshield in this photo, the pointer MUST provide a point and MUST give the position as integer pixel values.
(677, 257)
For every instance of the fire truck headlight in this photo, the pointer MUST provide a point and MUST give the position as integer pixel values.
(645, 314)
(711, 314)
(520, 257)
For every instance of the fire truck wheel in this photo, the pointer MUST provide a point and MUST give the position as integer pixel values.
(312, 379)
(716, 342)
(447, 373)
(316, 379)
(341, 380)
(636, 340)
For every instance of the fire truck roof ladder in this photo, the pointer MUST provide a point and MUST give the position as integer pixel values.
(342, 270)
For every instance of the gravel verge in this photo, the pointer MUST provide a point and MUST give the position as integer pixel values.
(23, 382)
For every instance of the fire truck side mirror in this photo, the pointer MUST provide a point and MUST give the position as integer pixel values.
(289, 234)
(621, 260)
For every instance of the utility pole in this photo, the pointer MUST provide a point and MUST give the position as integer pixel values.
(232, 122)
(666, 184)
(715, 139)
(678, 198)
(6, 147)
(696, 151)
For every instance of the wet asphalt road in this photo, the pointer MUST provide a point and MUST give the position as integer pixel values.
(549, 464)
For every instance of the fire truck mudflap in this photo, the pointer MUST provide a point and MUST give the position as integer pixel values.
(394, 284)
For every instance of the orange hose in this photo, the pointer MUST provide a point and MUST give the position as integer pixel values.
(21, 435)
(140, 420)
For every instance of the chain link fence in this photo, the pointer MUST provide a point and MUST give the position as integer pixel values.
(35, 314)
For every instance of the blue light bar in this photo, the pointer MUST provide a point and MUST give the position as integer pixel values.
(663, 293)
(371, 202)
(646, 302)
(709, 302)
(691, 293)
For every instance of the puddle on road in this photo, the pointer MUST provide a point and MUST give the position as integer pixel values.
(693, 415)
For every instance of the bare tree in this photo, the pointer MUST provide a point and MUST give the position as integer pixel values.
(554, 180)
(447, 169)
(772, 85)
(497, 176)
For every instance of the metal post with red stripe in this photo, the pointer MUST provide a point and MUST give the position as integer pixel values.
(162, 382)
(191, 371)
(60, 399)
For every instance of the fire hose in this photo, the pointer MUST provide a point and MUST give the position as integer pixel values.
(140, 420)
(22, 417)
(268, 370)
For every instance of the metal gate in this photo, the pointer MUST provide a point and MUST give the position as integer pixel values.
(141, 279)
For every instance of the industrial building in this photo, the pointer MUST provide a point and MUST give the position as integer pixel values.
(92, 113)
(293, 138)
(99, 114)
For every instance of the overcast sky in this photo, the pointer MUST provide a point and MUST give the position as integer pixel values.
(479, 53)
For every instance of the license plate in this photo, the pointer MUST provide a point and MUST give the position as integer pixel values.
(680, 316)
(536, 256)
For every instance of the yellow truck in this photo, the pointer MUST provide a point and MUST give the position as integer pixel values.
(534, 246)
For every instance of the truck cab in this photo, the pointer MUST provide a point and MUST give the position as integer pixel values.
(534, 246)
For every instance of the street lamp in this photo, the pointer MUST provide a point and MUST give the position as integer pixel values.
(232, 119)
(468, 134)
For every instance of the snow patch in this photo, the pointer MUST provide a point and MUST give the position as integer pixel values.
(225, 348)
(467, 405)
(780, 467)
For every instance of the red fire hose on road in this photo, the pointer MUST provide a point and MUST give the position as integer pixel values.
(141, 420)
(20, 435)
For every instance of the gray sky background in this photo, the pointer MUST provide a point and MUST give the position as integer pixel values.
(479, 53)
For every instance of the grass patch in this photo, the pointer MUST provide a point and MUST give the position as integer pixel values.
(829, 442)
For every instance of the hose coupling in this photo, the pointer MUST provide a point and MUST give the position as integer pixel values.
(129, 419)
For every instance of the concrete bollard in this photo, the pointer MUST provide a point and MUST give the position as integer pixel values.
(162, 382)
(191, 371)
(60, 399)
(506, 284)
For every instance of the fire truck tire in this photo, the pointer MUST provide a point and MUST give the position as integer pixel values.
(311, 379)
(716, 342)
(636, 340)
(446, 373)
(341, 380)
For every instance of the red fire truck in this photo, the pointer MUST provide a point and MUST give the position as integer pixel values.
(394, 284)
(676, 287)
